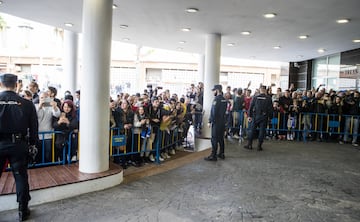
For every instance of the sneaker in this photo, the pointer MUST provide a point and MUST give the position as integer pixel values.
(151, 158)
(355, 144)
(341, 142)
(161, 159)
(162, 155)
(167, 156)
(73, 158)
(172, 152)
(236, 136)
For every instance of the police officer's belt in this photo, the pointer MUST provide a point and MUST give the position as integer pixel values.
(13, 137)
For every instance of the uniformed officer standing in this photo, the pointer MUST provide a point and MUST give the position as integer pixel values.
(18, 121)
(259, 112)
(217, 123)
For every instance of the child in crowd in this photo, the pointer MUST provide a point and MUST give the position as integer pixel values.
(293, 115)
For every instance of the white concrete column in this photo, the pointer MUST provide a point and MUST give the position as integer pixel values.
(95, 86)
(201, 71)
(70, 61)
(212, 75)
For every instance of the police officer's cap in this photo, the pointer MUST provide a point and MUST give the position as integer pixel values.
(217, 87)
(8, 78)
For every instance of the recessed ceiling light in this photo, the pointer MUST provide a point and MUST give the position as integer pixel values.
(303, 36)
(231, 44)
(115, 6)
(269, 15)
(126, 39)
(26, 27)
(321, 50)
(343, 21)
(123, 26)
(1, 2)
(277, 47)
(68, 24)
(180, 49)
(186, 29)
(245, 33)
(192, 10)
(356, 40)
(182, 42)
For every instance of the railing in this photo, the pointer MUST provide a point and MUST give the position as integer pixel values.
(303, 125)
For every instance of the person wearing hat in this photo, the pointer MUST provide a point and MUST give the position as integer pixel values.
(260, 110)
(18, 120)
(217, 124)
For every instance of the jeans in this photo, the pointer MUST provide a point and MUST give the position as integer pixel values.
(355, 128)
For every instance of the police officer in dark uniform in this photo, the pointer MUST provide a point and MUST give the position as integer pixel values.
(217, 123)
(18, 122)
(259, 112)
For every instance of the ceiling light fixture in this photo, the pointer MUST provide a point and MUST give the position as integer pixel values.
(126, 39)
(245, 33)
(124, 26)
(231, 44)
(115, 6)
(182, 42)
(1, 2)
(186, 29)
(321, 50)
(303, 36)
(269, 15)
(68, 24)
(343, 21)
(277, 47)
(192, 10)
(356, 41)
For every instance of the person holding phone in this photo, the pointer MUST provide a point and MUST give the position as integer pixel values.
(67, 122)
(46, 110)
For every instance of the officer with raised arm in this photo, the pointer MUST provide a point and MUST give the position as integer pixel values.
(18, 122)
(217, 124)
(259, 112)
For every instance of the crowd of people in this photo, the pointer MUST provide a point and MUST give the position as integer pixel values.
(308, 110)
(153, 115)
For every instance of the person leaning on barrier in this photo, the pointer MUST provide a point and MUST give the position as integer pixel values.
(18, 121)
(259, 112)
(217, 123)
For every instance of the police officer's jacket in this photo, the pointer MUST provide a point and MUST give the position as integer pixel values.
(18, 116)
(261, 106)
(218, 109)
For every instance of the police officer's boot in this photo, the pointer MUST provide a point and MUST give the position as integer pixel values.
(259, 147)
(212, 156)
(248, 146)
(221, 156)
(24, 211)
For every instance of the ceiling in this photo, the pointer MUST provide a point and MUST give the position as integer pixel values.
(157, 23)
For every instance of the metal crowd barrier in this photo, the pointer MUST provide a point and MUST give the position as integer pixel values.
(155, 143)
(305, 125)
